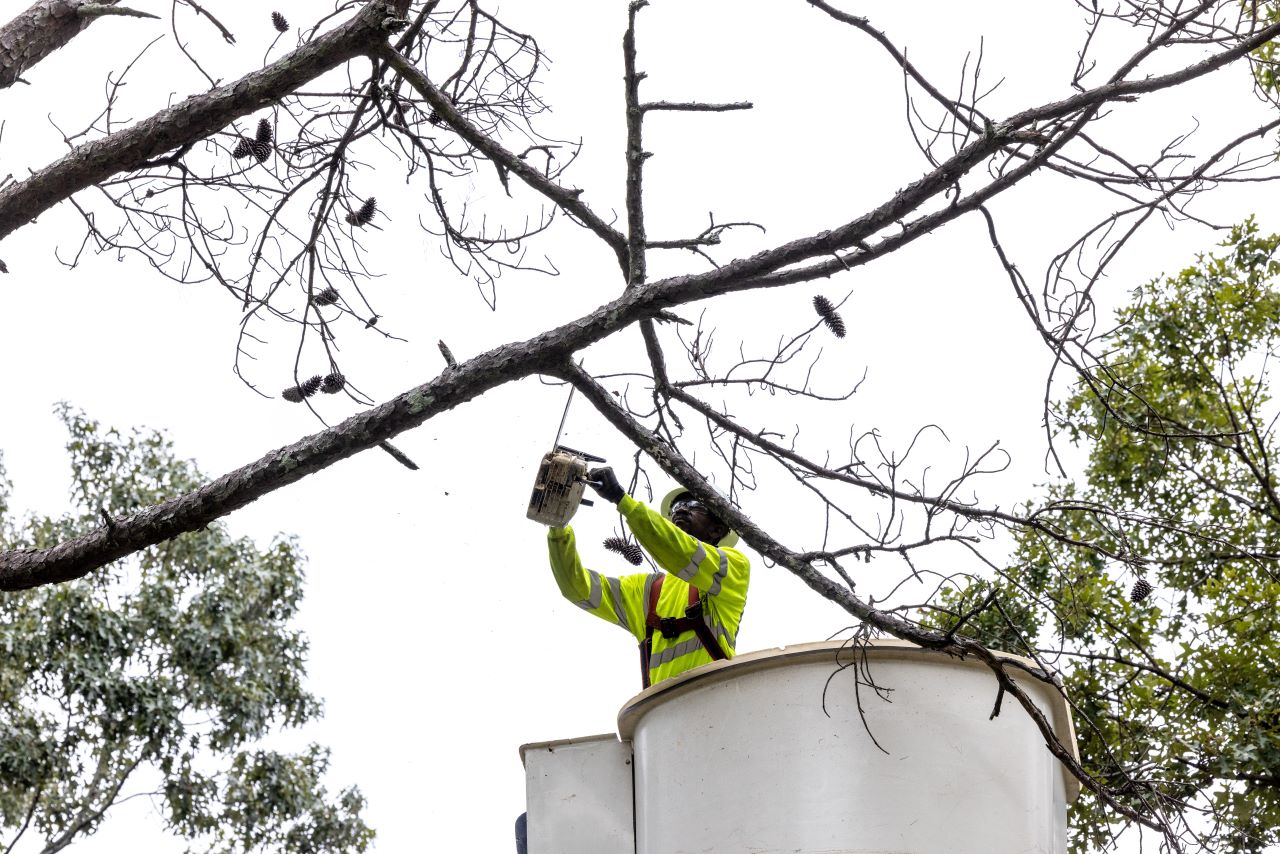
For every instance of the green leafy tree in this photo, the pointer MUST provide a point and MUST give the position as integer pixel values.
(1177, 694)
(159, 676)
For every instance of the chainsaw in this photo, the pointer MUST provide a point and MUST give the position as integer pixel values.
(562, 478)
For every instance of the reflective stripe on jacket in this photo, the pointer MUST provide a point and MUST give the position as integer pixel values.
(720, 574)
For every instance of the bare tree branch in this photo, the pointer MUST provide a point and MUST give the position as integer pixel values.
(189, 121)
(45, 27)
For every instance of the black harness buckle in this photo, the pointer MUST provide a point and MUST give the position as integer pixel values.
(673, 627)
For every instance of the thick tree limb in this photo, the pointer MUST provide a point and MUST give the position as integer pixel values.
(988, 158)
(742, 274)
(203, 114)
(637, 266)
(695, 106)
(541, 354)
(22, 569)
(39, 31)
(190, 121)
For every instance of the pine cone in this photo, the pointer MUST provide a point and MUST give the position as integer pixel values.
(328, 296)
(261, 150)
(1141, 590)
(311, 386)
(295, 394)
(264, 131)
(364, 216)
(278, 21)
(435, 118)
(827, 312)
(333, 383)
(630, 551)
(243, 148)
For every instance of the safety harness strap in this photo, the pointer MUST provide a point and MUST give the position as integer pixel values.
(673, 627)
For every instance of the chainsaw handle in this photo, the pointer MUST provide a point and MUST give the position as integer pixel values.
(591, 458)
(606, 485)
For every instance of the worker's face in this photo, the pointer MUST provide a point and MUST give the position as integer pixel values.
(690, 516)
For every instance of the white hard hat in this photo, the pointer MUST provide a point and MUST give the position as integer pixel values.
(728, 541)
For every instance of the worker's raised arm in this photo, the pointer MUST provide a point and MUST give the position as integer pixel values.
(714, 571)
(615, 600)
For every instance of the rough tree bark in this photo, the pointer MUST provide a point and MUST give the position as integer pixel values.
(196, 117)
(47, 26)
(991, 156)
(177, 128)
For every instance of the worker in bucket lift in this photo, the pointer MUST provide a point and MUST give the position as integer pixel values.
(682, 618)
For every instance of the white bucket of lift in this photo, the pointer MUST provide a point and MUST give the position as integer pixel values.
(741, 756)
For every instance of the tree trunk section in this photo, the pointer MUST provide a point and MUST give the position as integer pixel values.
(38, 32)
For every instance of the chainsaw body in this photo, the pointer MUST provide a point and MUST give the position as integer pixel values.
(557, 491)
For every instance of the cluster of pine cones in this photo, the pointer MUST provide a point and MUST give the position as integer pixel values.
(259, 146)
(329, 384)
(328, 296)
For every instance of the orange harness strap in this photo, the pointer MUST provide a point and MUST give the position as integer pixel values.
(672, 627)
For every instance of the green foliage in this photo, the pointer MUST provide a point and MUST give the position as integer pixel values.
(1264, 59)
(1177, 697)
(177, 661)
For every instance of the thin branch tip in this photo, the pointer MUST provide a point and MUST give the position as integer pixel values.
(98, 10)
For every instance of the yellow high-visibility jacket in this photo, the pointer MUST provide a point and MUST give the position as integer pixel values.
(720, 574)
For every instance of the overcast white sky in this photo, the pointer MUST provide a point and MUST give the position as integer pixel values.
(439, 640)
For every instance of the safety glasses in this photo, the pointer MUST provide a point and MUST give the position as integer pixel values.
(692, 504)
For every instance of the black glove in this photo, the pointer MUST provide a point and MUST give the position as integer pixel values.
(606, 485)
